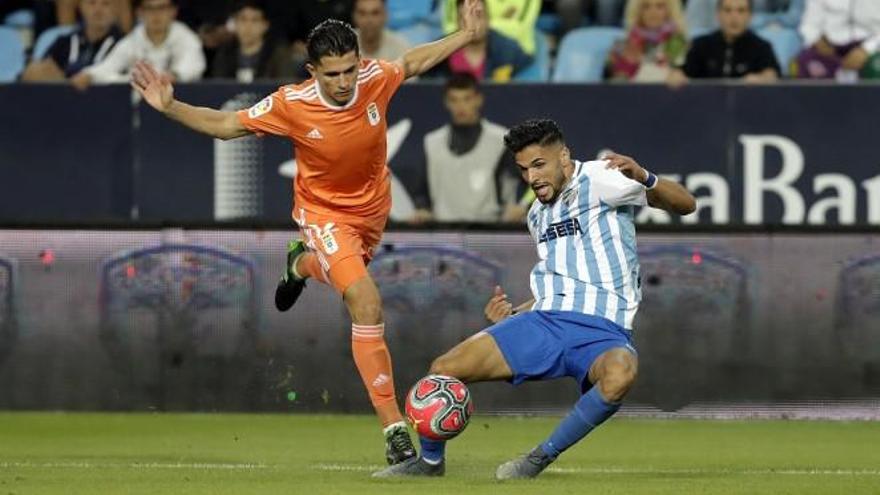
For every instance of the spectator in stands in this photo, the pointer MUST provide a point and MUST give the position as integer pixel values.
(494, 57)
(293, 20)
(469, 175)
(375, 41)
(167, 44)
(732, 52)
(210, 20)
(701, 15)
(515, 19)
(572, 12)
(251, 55)
(655, 42)
(842, 39)
(89, 44)
(66, 10)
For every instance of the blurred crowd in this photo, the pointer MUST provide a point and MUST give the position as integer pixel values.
(672, 41)
(87, 42)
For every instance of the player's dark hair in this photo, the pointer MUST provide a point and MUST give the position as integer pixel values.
(251, 4)
(331, 37)
(536, 131)
(461, 80)
(719, 3)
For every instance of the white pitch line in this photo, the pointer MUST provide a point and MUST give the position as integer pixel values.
(135, 465)
(631, 471)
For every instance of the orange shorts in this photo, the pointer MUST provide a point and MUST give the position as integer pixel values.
(344, 244)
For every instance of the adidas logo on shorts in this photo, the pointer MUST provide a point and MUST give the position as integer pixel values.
(315, 134)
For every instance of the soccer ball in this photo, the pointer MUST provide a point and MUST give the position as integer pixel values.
(439, 407)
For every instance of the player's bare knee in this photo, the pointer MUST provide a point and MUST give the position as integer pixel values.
(443, 365)
(619, 373)
(365, 306)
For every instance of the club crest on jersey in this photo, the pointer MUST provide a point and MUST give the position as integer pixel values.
(373, 114)
(564, 228)
(327, 238)
(263, 107)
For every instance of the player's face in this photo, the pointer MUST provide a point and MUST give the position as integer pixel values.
(545, 168)
(250, 26)
(337, 76)
(369, 18)
(654, 13)
(97, 13)
(464, 105)
(734, 17)
(157, 15)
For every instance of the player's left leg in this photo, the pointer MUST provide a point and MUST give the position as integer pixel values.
(612, 374)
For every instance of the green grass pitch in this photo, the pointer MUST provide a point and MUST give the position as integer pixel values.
(49, 453)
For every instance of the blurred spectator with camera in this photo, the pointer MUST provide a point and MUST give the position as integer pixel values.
(732, 52)
(655, 42)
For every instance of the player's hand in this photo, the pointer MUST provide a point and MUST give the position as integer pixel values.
(498, 307)
(81, 81)
(676, 79)
(855, 59)
(473, 21)
(153, 86)
(625, 165)
(514, 214)
(421, 216)
(824, 47)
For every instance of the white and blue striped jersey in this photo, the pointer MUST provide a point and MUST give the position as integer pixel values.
(587, 245)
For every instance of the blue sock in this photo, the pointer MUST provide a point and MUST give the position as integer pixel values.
(590, 411)
(432, 450)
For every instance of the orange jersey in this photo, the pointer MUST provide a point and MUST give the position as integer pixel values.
(340, 151)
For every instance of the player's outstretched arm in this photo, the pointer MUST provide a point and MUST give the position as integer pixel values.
(157, 91)
(667, 195)
(422, 58)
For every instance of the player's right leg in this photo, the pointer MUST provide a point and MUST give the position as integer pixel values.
(476, 359)
(301, 264)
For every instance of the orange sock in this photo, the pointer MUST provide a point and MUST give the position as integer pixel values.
(374, 364)
(308, 265)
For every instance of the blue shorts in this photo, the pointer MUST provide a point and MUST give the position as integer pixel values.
(542, 345)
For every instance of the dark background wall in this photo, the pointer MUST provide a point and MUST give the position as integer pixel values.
(66, 156)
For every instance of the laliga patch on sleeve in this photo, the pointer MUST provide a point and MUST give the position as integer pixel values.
(263, 107)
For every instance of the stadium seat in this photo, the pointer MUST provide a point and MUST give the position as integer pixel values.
(583, 52)
(46, 38)
(11, 54)
(420, 32)
(539, 71)
(549, 23)
(20, 19)
(405, 13)
(786, 45)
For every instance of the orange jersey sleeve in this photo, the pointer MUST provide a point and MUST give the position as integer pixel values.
(268, 116)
